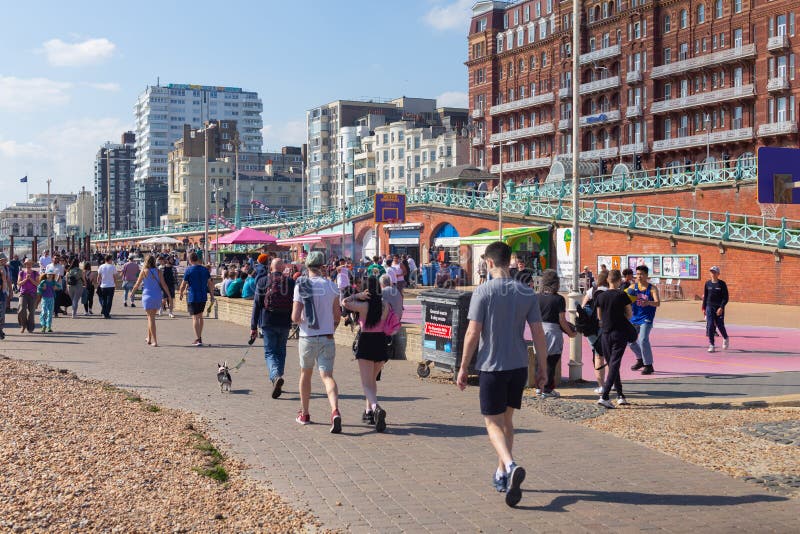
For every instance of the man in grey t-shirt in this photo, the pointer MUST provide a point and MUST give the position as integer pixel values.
(497, 315)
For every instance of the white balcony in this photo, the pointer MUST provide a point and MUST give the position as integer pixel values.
(536, 100)
(531, 131)
(778, 43)
(777, 84)
(536, 163)
(634, 76)
(599, 85)
(700, 140)
(601, 118)
(777, 128)
(598, 55)
(565, 92)
(633, 148)
(565, 124)
(702, 99)
(478, 140)
(593, 155)
(631, 112)
(706, 60)
(477, 113)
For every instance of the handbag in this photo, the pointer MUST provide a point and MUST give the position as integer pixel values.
(391, 325)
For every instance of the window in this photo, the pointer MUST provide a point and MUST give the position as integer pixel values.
(520, 36)
(538, 9)
(737, 37)
(526, 14)
(637, 30)
(722, 40)
(516, 17)
(781, 24)
(544, 59)
(505, 21)
(737, 6)
(718, 9)
(667, 91)
(666, 24)
(667, 128)
(667, 56)
(482, 25)
(684, 19)
(499, 43)
(683, 55)
(701, 14)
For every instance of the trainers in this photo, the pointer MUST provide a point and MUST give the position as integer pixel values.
(621, 401)
(516, 475)
(171, 315)
(537, 392)
(368, 417)
(2, 335)
(647, 370)
(605, 402)
(711, 348)
(159, 313)
(125, 304)
(336, 422)
(725, 344)
(49, 329)
(277, 384)
(303, 418)
(198, 342)
(133, 305)
(44, 330)
(598, 389)
(500, 483)
(380, 419)
(552, 394)
(638, 365)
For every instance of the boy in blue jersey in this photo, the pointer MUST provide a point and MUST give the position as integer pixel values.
(644, 298)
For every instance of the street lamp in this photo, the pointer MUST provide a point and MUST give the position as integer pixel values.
(708, 140)
(576, 343)
(500, 187)
(209, 126)
(237, 217)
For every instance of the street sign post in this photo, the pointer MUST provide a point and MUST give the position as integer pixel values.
(778, 175)
(390, 207)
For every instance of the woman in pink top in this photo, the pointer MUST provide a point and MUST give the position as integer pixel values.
(371, 352)
(27, 282)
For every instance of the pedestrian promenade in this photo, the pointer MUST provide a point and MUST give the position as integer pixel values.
(431, 470)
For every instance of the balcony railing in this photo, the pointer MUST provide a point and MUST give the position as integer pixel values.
(536, 163)
(633, 111)
(536, 100)
(592, 155)
(633, 148)
(702, 99)
(707, 60)
(634, 76)
(477, 140)
(601, 118)
(777, 84)
(597, 55)
(531, 131)
(599, 85)
(690, 141)
(477, 113)
(565, 92)
(777, 128)
(565, 124)
(778, 43)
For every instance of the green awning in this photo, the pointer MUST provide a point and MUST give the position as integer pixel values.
(510, 235)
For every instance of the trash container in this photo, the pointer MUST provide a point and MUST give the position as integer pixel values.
(444, 325)
(427, 275)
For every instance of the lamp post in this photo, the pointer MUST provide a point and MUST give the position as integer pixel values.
(341, 197)
(708, 140)
(500, 188)
(206, 133)
(576, 343)
(237, 219)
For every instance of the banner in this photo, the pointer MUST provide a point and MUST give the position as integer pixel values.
(277, 214)
(224, 222)
(564, 254)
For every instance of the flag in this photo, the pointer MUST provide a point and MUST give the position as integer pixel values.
(23, 180)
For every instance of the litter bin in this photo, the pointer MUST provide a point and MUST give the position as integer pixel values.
(444, 316)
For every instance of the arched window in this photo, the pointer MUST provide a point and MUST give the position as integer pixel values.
(44, 229)
(15, 229)
(29, 228)
(667, 24)
(684, 19)
(701, 14)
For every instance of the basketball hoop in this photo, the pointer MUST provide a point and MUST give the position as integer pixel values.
(769, 211)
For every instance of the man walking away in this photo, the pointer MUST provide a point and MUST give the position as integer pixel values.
(316, 309)
(614, 310)
(197, 278)
(272, 311)
(645, 301)
(28, 282)
(130, 273)
(715, 298)
(108, 283)
(497, 315)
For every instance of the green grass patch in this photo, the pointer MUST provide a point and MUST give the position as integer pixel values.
(133, 397)
(153, 408)
(214, 468)
(216, 472)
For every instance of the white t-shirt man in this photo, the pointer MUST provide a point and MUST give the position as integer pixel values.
(343, 278)
(392, 274)
(44, 261)
(106, 273)
(412, 265)
(59, 268)
(324, 295)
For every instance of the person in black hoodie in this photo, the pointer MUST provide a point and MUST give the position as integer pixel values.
(715, 298)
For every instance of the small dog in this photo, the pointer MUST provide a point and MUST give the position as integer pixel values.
(224, 377)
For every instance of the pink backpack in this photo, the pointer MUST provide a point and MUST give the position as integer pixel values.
(391, 325)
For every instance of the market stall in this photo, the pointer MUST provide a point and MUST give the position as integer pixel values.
(530, 244)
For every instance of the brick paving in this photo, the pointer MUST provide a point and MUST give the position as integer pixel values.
(430, 471)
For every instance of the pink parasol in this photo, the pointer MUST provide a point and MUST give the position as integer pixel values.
(246, 236)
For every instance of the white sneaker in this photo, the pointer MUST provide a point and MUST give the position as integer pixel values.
(598, 389)
(550, 394)
(606, 403)
(725, 344)
(159, 313)
(621, 401)
(171, 316)
(537, 392)
(711, 348)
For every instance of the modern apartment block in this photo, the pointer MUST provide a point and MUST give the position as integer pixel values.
(114, 167)
(662, 83)
(336, 134)
(162, 111)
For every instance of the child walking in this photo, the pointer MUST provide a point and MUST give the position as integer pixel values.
(47, 289)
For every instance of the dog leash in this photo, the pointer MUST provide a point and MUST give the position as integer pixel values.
(250, 345)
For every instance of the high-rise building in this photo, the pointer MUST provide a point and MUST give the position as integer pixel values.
(662, 84)
(161, 113)
(114, 167)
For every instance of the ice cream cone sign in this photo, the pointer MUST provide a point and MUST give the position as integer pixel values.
(568, 240)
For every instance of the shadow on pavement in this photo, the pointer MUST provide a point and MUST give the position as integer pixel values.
(439, 430)
(241, 391)
(567, 498)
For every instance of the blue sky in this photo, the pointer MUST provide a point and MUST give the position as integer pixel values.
(69, 76)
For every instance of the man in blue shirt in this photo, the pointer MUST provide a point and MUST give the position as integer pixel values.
(644, 298)
(497, 315)
(197, 279)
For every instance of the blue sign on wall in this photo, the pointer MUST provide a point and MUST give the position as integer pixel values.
(778, 175)
(390, 208)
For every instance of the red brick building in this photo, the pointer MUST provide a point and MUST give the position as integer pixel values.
(662, 83)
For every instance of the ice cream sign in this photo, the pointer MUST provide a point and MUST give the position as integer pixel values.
(568, 240)
(564, 252)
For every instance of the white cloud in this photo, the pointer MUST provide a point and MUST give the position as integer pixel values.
(291, 133)
(15, 150)
(28, 94)
(112, 87)
(453, 16)
(88, 52)
(453, 99)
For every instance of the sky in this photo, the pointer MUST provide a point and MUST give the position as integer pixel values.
(70, 72)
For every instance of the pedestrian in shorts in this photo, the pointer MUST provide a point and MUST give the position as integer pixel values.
(496, 336)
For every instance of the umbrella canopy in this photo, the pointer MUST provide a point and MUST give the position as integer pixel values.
(246, 236)
(161, 240)
(307, 239)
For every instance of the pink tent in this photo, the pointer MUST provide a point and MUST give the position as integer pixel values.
(246, 236)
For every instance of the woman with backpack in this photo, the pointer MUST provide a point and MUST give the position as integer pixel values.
(76, 284)
(153, 290)
(91, 282)
(377, 321)
(595, 333)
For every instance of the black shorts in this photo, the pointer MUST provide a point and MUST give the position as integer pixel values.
(372, 347)
(196, 308)
(500, 390)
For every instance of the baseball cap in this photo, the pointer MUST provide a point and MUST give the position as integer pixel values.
(714, 269)
(315, 259)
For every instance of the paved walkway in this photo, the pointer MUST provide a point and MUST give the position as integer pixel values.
(430, 471)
